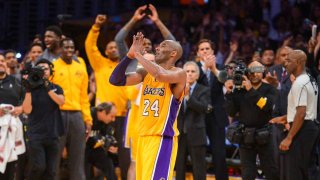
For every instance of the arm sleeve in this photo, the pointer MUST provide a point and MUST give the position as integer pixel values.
(121, 43)
(118, 76)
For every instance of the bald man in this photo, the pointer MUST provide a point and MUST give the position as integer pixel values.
(254, 103)
(162, 93)
(302, 111)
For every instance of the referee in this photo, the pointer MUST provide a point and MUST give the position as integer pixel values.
(302, 111)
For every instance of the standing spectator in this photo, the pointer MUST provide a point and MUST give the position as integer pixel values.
(72, 76)
(217, 119)
(44, 124)
(52, 38)
(12, 63)
(10, 93)
(279, 78)
(302, 107)
(192, 125)
(267, 58)
(35, 52)
(106, 92)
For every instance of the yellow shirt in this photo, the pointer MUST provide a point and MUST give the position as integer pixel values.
(73, 79)
(103, 67)
(158, 109)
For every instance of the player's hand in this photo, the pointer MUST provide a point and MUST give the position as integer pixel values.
(137, 45)
(139, 13)
(154, 14)
(100, 19)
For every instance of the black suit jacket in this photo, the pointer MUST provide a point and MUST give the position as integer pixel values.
(281, 102)
(217, 96)
(192, 119)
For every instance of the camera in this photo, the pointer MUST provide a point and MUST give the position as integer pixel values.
(239, 70)
(35, 77)
(235, 132)
(97, 140)
(103, 141)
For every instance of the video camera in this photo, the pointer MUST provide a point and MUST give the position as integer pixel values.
(97, 140)
(239, 70)
(105, 141)
(35, 77)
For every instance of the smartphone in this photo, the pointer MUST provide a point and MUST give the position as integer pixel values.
(314, 31)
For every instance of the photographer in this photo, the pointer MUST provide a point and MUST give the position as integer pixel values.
(101, 141)
(42, 101)
(253, 102)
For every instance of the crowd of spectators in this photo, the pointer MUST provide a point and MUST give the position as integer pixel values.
(250, 30)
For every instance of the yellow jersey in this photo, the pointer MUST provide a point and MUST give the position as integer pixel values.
(158, 109)
(102, 68)
(73, 79)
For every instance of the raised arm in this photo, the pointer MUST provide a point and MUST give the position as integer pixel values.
(119, 76)
(171, 75)
(93, 53)
(123, 33)
(163, 29)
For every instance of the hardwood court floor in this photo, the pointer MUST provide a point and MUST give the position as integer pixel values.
(188, 176)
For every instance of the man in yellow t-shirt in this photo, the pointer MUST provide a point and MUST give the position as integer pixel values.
(106, 92)
(71, 75)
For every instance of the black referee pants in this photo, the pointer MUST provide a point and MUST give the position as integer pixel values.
(295, 163)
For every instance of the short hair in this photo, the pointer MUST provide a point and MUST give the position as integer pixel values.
(36, 44)
(55, 29)
(65, 39)
(9, 51)
(188, 63)
(105, 106)
(212, 45)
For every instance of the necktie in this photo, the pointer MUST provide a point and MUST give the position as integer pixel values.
(208, 76)
(284, 74)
